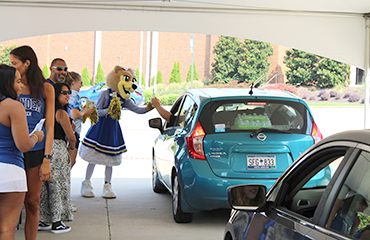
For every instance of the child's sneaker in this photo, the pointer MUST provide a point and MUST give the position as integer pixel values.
(86, 189)
(60, 227)
(108, 191)
(43, 226)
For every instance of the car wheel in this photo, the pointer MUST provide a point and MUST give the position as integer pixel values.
(83, 101)
(178, 215)
(157, 185)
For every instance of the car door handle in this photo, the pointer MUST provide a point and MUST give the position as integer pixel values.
(303, 202)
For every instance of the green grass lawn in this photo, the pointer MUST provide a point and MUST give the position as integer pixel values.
(334, 104)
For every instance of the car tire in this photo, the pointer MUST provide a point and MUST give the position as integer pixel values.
(157, 185)
(84, 101)
(178, 215)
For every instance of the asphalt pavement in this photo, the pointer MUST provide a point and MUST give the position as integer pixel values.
(138, 212)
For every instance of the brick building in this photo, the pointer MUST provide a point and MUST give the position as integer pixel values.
(78, 49)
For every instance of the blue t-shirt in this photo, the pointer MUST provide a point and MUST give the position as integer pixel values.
(35, 112)
(75, 102)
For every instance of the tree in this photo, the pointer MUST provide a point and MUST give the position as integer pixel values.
(99, 78)
(242, 61)
(86, 80)
(308, 69)
(5, 52)
(137, 77)
(159, 78)
(195, 74)
(45, 71)
(175, 74)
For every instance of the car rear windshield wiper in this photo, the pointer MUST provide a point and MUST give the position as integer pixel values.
(254, 133)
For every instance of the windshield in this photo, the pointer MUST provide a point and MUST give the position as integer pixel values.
(242, 115)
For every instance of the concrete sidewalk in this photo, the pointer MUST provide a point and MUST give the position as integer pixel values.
(136, 213)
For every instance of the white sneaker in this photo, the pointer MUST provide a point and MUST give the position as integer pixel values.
(87, 190)
(108, 191)
(74, 207)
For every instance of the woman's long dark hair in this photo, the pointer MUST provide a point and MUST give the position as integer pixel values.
(35, 78)
(58, 89)
(7, 76)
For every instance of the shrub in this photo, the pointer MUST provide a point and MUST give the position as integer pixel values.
(99, 78)
(86, 80)
(324, 96)
(45, 71)
(354, 97)
(283, 86)
(333, 94)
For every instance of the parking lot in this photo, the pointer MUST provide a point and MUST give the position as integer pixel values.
(139, 213)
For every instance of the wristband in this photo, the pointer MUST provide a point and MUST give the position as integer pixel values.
(48, 156)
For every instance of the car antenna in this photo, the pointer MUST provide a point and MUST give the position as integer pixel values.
(254, 84)
(251, 91)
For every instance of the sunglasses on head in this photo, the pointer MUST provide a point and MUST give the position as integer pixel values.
(60, 68)
(66, 92)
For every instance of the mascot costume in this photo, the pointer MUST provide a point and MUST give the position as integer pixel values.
(103, 143)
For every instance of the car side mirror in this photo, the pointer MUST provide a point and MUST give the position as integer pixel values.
(246, 197)
(156, 123)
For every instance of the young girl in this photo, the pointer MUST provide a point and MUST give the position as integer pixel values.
(55, 203)
(75, 110)
(38, 99)
(14, 138)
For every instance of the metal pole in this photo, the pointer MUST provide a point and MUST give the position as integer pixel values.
(141, 58)
(367, 66)
(147, 75)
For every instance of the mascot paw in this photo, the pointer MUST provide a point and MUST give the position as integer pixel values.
(149, 107)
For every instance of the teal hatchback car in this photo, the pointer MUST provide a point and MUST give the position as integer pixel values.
(218, 138)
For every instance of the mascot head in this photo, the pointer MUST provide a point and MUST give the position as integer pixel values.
(121, 80)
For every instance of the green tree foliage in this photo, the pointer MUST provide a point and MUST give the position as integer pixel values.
(175, 74)
(142, 77)
(5, 52)
(159, 78)
(308, 69)
(195, 74)
(45, 71)
(242, 61)
(86, 80)
(99, 75)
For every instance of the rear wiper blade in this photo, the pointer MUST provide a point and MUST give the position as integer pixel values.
(254, 133)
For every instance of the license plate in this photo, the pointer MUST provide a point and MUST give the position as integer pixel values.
(261, 162)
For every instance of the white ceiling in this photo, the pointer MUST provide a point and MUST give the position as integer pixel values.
(331, 28)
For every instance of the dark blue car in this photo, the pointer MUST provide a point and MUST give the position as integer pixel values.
(92, 93)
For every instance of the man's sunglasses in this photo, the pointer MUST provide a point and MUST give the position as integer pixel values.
(66, 92)
(60, 68)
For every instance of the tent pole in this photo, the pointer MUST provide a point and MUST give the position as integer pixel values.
(367, 66)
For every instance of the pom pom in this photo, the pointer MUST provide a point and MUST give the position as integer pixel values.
(93, 117)
(115, 107)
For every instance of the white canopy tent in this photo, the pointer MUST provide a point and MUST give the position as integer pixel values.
(337, 29)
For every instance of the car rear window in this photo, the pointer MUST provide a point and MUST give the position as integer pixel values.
(242, 115)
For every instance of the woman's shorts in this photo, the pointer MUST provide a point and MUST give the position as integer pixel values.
(13, 178)
(33, 158)
(77, 139)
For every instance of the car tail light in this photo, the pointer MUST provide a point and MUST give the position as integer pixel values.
(316, 134)
(195, 143)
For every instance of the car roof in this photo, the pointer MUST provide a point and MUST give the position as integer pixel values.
(359, 136)
(209, 93)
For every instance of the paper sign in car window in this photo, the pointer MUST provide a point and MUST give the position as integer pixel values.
(220, 127)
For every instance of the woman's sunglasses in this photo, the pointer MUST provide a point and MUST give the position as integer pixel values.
(60, 68)
(66, 92)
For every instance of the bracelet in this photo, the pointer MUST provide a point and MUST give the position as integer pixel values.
(71, 148)
(37, 138)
